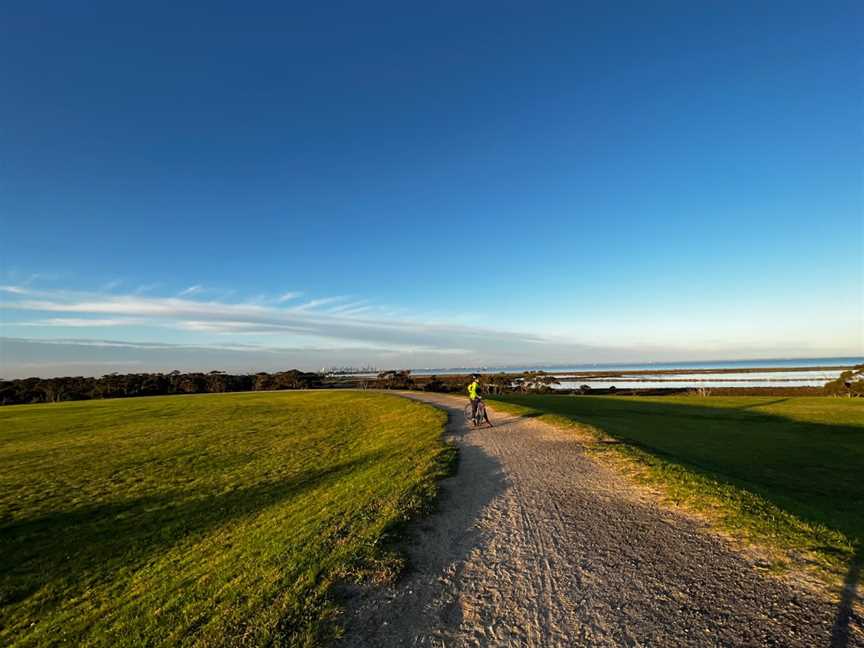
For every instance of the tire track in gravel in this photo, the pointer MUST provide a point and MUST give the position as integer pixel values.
(536, 544)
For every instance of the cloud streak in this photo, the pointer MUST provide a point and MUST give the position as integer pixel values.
(288, 296)
(334, 319)
(316, 303)
(191, 290)
(82, 322)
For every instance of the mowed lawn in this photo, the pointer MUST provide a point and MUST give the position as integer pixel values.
(789, 469)
(202, 520)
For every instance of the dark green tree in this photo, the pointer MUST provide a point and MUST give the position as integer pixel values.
(850, 383)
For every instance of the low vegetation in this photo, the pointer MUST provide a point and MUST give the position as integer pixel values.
(205, 520)
(786, 472)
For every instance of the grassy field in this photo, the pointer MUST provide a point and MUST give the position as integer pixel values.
(788, 472)
(203, 520)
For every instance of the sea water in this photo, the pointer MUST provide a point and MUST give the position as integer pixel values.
(571, 377)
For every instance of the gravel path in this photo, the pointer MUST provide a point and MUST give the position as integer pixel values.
(536, 544)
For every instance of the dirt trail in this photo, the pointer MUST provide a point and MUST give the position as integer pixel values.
(536, 544)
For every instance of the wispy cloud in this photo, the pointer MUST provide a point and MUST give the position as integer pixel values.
(350, 306)
(288, 296)
(191, 290)
(243, 327)
(15, 290)
(354, 312)
(111, 285)
(344, 322)
(82, 322)
(315, 303)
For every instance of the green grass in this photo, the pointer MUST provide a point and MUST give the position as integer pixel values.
(786, 472)
(203, 520)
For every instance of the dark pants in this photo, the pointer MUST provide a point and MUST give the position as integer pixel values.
(474, 404)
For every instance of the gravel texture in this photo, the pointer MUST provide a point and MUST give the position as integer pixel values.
(536, 544)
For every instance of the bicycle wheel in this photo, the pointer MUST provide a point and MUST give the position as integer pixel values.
(468, 417)
(482, 417)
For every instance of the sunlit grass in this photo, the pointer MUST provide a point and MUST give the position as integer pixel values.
(202, 520)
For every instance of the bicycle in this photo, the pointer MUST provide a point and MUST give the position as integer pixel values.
(477, 417)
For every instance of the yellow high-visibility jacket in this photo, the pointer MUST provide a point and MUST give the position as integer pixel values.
(472, 390)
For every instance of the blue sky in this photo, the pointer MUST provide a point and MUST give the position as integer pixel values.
(437, 186)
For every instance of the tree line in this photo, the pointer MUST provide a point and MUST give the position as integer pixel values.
(114, 385)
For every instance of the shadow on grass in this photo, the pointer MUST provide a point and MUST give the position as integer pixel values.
(812, 470)
(65, 548)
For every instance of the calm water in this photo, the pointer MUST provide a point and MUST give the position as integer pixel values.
(570, 375)
(766, 379)
(768, 363)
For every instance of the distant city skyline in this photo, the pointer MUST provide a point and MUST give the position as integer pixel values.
(259, 188)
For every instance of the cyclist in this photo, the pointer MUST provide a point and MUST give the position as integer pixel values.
(474, 397)
(473, 394)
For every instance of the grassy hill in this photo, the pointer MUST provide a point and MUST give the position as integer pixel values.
(783, 470)
(202, 520)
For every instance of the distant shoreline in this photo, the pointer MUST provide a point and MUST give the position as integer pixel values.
(685, 371)
(694, 366)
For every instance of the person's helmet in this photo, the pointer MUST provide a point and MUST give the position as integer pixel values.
(475, 376)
